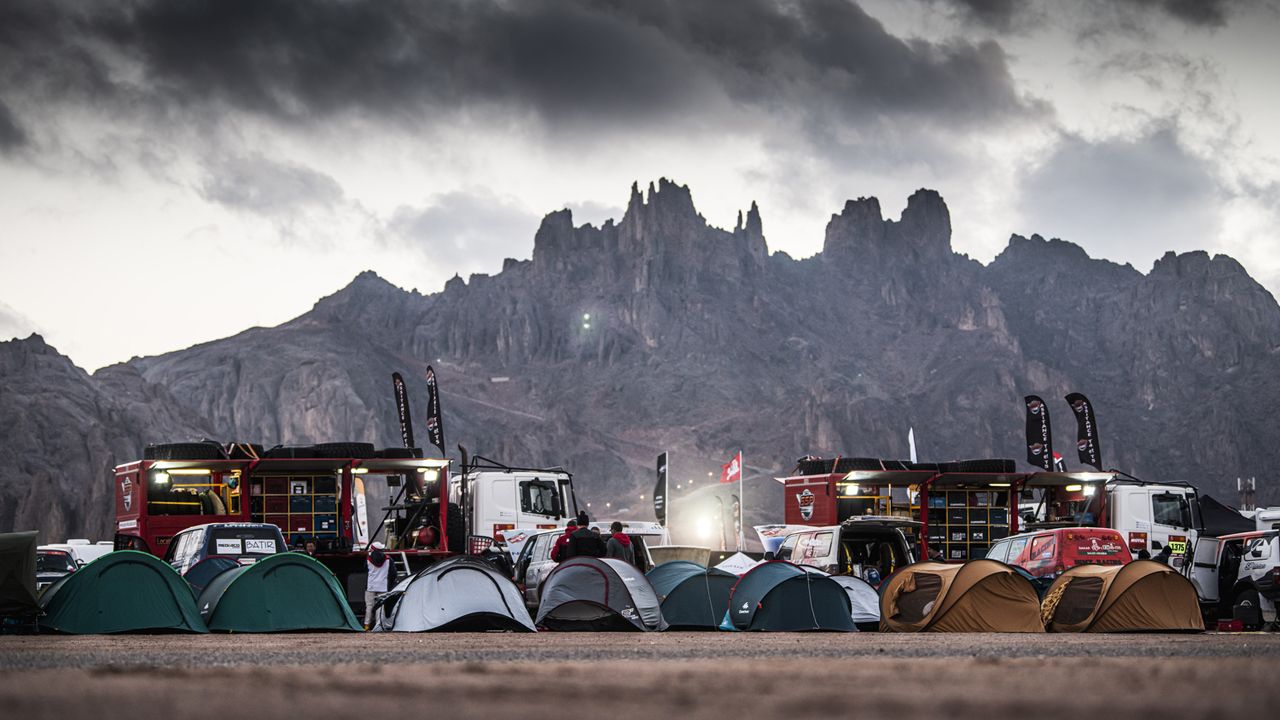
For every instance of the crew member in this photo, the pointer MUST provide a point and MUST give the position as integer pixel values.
(619, 545)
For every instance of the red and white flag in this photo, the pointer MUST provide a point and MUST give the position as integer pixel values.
(732, 470)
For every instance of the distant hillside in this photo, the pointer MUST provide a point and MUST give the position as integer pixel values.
(661, 332)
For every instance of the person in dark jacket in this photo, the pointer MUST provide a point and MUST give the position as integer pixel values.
(619, 545)
(562, 543)
(583, 542)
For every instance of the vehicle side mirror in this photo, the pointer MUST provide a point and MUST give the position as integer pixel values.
(1255, 553)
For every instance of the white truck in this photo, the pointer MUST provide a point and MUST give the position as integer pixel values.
(1150, 516)
(510, 503)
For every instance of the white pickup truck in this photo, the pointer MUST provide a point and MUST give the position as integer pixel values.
(1239, 576)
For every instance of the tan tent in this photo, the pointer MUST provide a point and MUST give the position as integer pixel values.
(978, 596)
(1141, 596)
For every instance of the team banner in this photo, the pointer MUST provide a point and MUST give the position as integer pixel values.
(1086, 430)
(660, 491)
(402, 410)
(1039, 434)
(435, 425)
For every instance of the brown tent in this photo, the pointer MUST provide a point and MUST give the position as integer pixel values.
(978, 596)
(1142, 596)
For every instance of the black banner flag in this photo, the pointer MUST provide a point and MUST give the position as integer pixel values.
(1086, 430)
(660, 491)
(402, 410)
(435, 425)
(1039, 434)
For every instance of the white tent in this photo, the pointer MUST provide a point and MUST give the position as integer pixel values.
(738, 564)
(864, 598)
(462, 593)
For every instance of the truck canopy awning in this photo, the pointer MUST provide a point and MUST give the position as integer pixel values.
(1058, 479)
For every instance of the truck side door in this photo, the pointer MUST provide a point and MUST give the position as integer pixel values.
(1204, 569)
(1171, 523)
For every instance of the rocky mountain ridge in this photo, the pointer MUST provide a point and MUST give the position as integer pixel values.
(660, 332)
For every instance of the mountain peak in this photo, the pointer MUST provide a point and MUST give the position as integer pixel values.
(860, 230)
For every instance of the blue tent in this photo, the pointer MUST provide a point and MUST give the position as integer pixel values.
(693, 597)
(779, 596)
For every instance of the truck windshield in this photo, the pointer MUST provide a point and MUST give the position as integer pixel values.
(1170, 509)
(540, 498)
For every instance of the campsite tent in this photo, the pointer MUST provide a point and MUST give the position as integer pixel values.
(279, 593)
(462, 593)
(1219, 519)
(693, 597)
(586, 593)
(978, 596)
(202, 573)
(122, 591)
(18, 575)
(863, 600)
(780, 596)
(738, 564)
(1143, 595)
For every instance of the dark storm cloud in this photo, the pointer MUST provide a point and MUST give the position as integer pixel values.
(1001, 14)
(12, 136)
(604, 60)
(1125, 199)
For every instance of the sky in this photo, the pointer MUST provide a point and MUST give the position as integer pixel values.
(176, 172)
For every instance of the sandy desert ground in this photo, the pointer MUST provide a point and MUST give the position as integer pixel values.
(670, 675)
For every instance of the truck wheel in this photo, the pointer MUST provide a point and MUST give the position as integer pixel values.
(344, 450)
(1247, 608)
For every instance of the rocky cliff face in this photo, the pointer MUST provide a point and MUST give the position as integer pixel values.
(659, 332)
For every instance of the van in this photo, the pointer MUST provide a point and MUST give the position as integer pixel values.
(1238, 576)
(866, 546)
(1047, 553)
(243, 542)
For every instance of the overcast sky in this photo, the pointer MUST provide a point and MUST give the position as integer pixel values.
(174, 172)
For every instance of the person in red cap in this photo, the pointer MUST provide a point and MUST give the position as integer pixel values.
(562, 542)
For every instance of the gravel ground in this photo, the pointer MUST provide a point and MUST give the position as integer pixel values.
(685, 675)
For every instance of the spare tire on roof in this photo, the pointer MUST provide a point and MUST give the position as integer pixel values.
(244, 451)
(184, 451)
(399, 453)
(291, 451)
(987, 465)
(344, 450)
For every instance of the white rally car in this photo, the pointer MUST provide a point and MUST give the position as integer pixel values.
(1239, 576)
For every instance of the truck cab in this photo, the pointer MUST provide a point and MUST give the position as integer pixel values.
(501, 500)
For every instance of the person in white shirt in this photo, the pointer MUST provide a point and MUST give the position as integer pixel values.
(379, 566)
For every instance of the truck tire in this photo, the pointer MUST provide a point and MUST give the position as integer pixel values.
(290, 451)
(184, 451)
(1247, 608)
(399, 453)
(988, 465)
(344, 450)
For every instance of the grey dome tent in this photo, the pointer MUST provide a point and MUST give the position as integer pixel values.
(598, 594)
(462, 593)
(279, 593)
(122, 591)
(864, 601)
(693, 597)
(779, 596)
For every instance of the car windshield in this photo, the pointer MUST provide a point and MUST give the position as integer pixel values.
(54, 562)
(245, 541)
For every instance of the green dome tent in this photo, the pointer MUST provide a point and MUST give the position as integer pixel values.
(279, 593)
(782, 597)
(122, 591)
(693, 597)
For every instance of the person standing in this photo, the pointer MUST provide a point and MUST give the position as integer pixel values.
(619, 545)
(381, 570)
(583, 542)
(559, 551)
